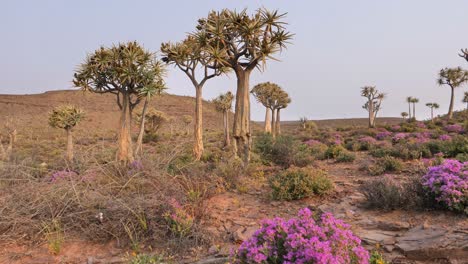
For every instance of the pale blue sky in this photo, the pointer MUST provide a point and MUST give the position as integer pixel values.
(339, 46)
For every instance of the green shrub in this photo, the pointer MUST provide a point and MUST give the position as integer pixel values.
(388, 193)
(352, 145)
(345, 156)
(284, 151)
(296, 183)
(463, 157)
(385, 164)
(380, 152)
(333, 151)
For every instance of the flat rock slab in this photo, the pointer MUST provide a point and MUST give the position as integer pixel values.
(434, 242)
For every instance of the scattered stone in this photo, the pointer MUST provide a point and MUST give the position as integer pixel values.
(213, 250)
(428, 243)
(242, 234)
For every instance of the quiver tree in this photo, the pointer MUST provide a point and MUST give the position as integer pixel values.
(147, 92)
(66, 117)
(223, 104)
(465, 99)
(404, 115)
(242, 43)
(263, 92)
(373, 103)
(303, 121)
(124, 70)
(414, 101)
(191, 56)
(432, 106)
(454, 78)
(187, 120)
(282, 101)
(408, 100)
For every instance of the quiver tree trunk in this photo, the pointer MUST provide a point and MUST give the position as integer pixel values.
(371, 114)
(125, 152)
(267, 120)
(409, 110)
(227, 139)
(277, 123)
(273, 122)
(69, 145)
(432, 114)
(452, 98)
(198, 129)
(414, 111)
(141, 133)
(241, 128)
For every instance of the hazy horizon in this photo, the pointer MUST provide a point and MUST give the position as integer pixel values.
(338, 47)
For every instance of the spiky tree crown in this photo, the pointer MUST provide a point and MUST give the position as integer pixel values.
(373, 95)
(223, 102)
(404, 114)
(414, 100)
(65, 116)
(237, 40)
(125, 68)
(453, 77)
(409, 99)
(433, 105)
(271, 95)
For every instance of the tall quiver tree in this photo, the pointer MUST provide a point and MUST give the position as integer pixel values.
(191, 56)
(432, 106)
(408, 100)
(454, 78)
(282, 101)
(373, 104)
(263, 93)
(66, 117)
(223, 104)
(243, 43)
(414, 101)
(124, 70)
(147, 92)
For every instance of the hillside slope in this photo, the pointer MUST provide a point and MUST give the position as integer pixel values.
(102, 112)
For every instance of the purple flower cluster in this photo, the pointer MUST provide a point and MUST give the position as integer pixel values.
(399, 136)
(312, 142)
(367, 140)
(449, 183)
(445, 137)
(395, 128)
(303, 240)
(383, 135)
(455, 128)
(421, 125)
(422, 137)
(63, 175)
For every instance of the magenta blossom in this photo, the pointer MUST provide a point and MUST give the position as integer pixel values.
(303, 240)
(448, 182)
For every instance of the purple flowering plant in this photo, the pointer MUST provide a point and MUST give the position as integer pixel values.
(382, 135)
(448, 182)
(63, 175)
(455, 128)
(303, 240)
